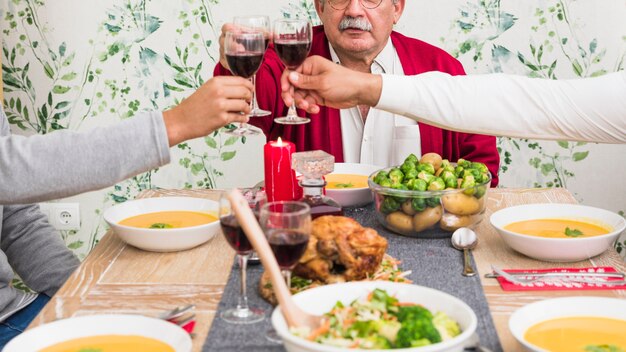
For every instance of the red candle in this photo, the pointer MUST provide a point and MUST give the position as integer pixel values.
(280, 179)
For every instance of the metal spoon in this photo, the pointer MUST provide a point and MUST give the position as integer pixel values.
(464, 239)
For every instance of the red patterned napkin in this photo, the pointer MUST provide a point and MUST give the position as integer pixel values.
(563, 282)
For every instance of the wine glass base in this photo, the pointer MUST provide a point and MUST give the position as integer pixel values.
(243, 316)
(292, 120)
(246, 131)
(272, 336)
(259, 112)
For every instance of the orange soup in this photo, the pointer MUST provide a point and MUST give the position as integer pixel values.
(169, 219)
(343, 181)
(557, 228)
(573, 334)
(111, 343)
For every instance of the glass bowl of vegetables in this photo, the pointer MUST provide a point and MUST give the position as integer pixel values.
(430, 197)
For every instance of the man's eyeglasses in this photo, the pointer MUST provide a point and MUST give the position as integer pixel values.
(343, 4)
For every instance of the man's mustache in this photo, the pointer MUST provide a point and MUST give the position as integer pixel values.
(355, 22)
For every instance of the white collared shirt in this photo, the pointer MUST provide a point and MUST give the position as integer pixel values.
(385, 139)
(586, 109)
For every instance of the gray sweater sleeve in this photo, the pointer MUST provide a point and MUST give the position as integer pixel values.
(64, 163)
(34, 249)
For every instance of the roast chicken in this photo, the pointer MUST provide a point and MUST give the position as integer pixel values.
(339, 250)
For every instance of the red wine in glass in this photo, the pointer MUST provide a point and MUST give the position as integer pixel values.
(234, 234)
(292, 42)
(288, 246)
(292, 53)
(244, 64)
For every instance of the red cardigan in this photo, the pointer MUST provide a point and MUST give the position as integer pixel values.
(324, 130)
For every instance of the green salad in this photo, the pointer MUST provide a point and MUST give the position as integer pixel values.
(380, 321)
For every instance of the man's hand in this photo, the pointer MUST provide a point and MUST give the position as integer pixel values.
(220, 101)
(321, 82)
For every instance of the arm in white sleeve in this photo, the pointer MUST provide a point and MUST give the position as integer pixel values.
(589, 109)
(65, 163)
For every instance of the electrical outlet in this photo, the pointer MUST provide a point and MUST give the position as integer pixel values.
(62, 216)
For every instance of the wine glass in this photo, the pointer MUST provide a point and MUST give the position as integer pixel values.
(287, 226)
(255, 24)
(237, 239)
(244, 53)
(292, 42)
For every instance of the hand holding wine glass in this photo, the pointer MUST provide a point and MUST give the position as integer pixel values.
(244, 54)
(261, 24)
(237, 239)
(292, 41)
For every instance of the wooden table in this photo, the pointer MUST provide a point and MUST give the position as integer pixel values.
(116, 278)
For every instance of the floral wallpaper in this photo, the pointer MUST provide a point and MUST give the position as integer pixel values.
(77, 65)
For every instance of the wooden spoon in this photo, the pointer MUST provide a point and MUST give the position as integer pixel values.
(294, 316)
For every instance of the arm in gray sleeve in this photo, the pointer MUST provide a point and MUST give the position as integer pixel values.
(34, 249)
(587, 109)
(64, 163)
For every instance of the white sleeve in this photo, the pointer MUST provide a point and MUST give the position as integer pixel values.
(589, 109)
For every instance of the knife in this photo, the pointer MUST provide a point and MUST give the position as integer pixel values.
(560, 274)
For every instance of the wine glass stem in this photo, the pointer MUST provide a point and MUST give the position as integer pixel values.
(255, 104)
(242, 303)
(292, 113)
(287, 276)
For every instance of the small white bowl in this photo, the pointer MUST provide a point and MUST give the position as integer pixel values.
(320, 300)
(563, 307)
(163, 240)
(353, 197)
(106, 324)
(558, 249)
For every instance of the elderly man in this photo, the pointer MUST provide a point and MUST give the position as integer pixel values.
(358, 34)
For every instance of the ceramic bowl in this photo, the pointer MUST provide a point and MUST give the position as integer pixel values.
(321, 299)
(523, 318)
(558, 249)
(352, 196)
(442, 212)
(107, 324)
(163, 240)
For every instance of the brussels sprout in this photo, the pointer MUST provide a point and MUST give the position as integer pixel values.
(389, 205)
(480, 191)
(464, 163)
(401, 186)
(433, 202)
(412, 184)
(381, 175)
(458, 171)
(407, 165)
(445, 163)
(425, 176)
(385, 182)
(411, 174)
(412, 158)
(437, 184)
(480, 167)
(418, 204)
(426, 167)
(468, 182)
(396, 175)
(450, 179)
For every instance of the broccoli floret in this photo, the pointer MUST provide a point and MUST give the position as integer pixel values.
(417, 327)
(447, 327)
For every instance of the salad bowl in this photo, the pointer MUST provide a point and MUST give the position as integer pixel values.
(320, 300)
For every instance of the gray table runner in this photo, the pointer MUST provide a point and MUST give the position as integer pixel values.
(434, 263)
